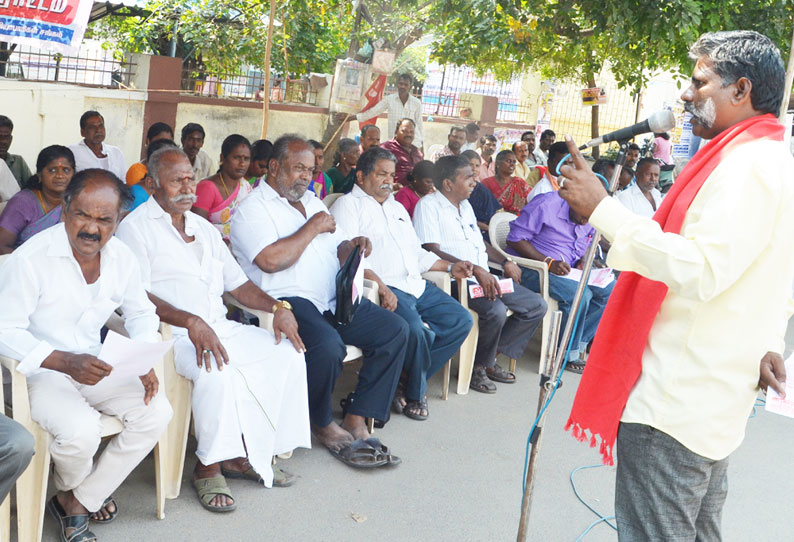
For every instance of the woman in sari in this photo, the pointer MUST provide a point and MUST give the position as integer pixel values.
(38, 206)
(509, 190)
(219, 196)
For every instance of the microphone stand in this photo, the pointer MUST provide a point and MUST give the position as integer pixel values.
(552, 366)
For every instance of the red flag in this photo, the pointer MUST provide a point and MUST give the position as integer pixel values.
(374, 95)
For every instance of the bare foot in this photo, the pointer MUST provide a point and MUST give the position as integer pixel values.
(201, 471)
(332, 436)
(105, 512)
(240, 464)
(356, 426)
(70, 504)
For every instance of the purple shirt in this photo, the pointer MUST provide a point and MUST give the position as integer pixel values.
(406, 160)
(545, 222)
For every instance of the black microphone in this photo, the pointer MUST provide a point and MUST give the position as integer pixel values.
(661, 121)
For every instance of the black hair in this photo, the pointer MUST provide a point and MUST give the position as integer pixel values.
(663, 135)
(744, 53)
(602, 164)
(472, 128)
(400, 123)
(157, 145)
(469, 154)
(422, 170)
(487, 137)
(546, 133)
(191, 127)
(232, 142)
(644, 161)
(559, 148)
(502, 155)
(345, 145)
(528, 132)
(47, 155)
(456, 128)
(366, 128)
(316, 144)
(446, 168)
(158, 128)
(78, 182)
(370, 157)
(634, 147)
(261, 149)
(407, 76)
(5, 122)
(87, 115)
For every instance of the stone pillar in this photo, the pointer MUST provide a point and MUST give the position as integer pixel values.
(161, 76)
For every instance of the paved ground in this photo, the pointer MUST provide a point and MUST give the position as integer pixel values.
(460, 480)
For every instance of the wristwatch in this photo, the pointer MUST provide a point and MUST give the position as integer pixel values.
(508, 259)
(449, 269)
(281, 305)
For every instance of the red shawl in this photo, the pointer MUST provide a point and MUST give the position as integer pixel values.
(615, 361)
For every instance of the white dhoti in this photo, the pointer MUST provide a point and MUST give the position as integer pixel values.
(70, 413)
(256, 406)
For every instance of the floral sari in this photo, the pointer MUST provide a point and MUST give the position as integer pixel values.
(512, 196)
(221, 215)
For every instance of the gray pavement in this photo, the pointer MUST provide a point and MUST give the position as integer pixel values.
(460, 480)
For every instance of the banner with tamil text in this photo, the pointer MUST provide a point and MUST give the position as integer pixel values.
(54, 25)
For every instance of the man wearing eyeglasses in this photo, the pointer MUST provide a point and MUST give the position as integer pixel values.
(249, 386)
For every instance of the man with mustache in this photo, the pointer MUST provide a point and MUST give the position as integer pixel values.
(249, 386)
(288, 244)
(706, 289)
(397, 264)
(92, 151)
(446, 225)
(57, 291)
(407, 154)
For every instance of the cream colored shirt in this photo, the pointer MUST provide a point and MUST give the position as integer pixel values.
(729, 275)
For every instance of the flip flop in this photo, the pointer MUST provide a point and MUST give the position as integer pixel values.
(480, 381)
(384, 450)
(413, 409)
(498, 374)
(78, 522)
(113, 514)
(360, 454)
(208, 488)
(281, 478)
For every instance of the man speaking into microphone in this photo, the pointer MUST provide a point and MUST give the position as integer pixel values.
(697, 322)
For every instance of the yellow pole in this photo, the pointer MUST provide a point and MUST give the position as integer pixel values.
(266, 100)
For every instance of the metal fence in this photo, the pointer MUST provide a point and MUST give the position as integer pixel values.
(92, 68)
(249, 85)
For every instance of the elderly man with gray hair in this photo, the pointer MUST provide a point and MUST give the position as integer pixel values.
(249, 386)
(704, 294)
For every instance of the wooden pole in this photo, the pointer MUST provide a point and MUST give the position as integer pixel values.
(266, 97)
(789, 82)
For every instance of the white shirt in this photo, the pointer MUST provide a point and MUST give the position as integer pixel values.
(436, 220)
(171, 268)
(634, 200)
(8, 183)
(543, 187)
(84, 158)
(263, 218)
(536, 158)
(469, 146)
(729, 275)
(48, 306)
(393, 105)
(202, 166)
(397, 255)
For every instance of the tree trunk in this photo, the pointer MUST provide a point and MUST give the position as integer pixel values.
(593, 114)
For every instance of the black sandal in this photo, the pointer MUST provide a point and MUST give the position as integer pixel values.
(480, 381)
(113, 514)
(575, 366)
(498, 374)
(414, 409)
(78, 522)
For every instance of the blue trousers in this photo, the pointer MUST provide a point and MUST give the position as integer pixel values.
(16, 450)
(430, 349)
(381, 335)
(563, 290)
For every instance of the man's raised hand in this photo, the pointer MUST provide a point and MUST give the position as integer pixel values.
(579, 186)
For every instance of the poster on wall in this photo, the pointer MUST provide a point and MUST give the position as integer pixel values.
(350, 82)
(53, 25)
(681, 134)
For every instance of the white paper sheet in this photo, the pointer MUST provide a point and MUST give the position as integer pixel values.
(131, 358)
(775, 403)
(598, 277)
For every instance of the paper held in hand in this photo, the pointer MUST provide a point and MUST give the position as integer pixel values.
(775, 403)
(598, 277)
(475, 290)
(131, 358)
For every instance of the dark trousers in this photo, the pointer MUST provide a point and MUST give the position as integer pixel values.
(501, 334)
(381, 335)
(16, 450)
(664, 491)
(430, 349)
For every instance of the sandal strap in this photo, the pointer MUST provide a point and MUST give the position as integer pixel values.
(209, 488)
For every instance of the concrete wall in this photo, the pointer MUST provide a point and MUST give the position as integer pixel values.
(49, 113)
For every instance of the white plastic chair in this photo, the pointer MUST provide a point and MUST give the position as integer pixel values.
(498, 230)
(330, 199)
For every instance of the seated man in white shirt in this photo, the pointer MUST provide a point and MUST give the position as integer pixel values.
(57, 291)
(397, 263)
(92, 151)
(446, 225)
(548, 183)
(192, 142)
(254, 405)
(642, 196)
(289, 245)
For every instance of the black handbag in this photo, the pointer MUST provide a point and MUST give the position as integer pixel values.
(345, 305)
